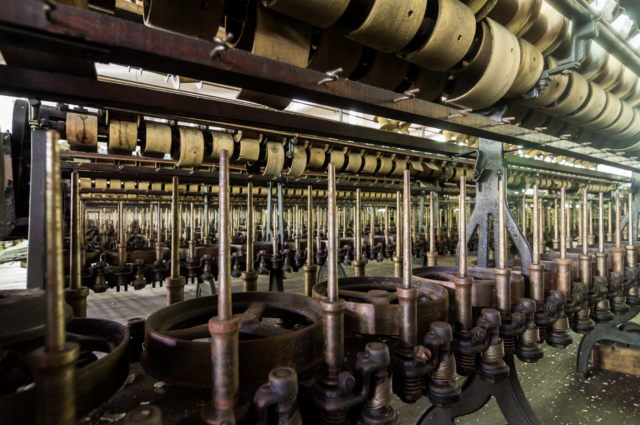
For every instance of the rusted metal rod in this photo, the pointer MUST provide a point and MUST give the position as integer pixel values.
(309, 268)
(54, 363)
(175, 283)
(463, 283)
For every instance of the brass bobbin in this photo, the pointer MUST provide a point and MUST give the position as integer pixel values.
(389, 25)
(354, 163)
(249, 150)
(123, 137)
(275, 159)
(491, 72)
(158, 139)
(529, 70)
(448, 42)
(608, 77)
(298, 162)
(191, 147)
(82, 132)
(217, 141)
(277, 37)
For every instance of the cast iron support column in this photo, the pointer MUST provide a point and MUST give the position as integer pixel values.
(490, 168)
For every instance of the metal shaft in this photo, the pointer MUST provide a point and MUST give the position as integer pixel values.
(524, 216)
(332, 257)
(309, 227)
(585, 222)
(76, 232)
(224, 258)
(398, 224)
(432, 231)
(358, 231)
(618, 230)
(630, 215)
(590, 217)
(406, 235)
(601, 223)
(55, 329)
(462, 228)
(563, 226)
(175, 230)
(536, 228)
(249, 227)
(555, 218)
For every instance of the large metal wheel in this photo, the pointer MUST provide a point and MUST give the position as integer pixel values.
(102, 367)
(372, 304)
(178, 351)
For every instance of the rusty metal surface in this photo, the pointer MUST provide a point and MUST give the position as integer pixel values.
(178, 350)
(483, 291)
(372, 304)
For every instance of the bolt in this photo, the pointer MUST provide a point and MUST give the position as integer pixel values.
(422, 354)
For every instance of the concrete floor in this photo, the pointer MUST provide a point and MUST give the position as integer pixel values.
(554, 394)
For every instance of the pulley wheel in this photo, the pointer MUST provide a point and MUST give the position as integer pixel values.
(102, 367)
(483, 284)
(372, 304)
(178, 350)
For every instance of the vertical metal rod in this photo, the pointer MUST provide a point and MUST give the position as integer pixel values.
(555, 218)
(249, 227)
(175, 230)
(585, 222)
(502, 247)
(398, 224)
(462, 228)
(609, 224)
(563, 225)
(590, 218)
(432, 232)
(310, 226)
(406, 235)
(332, 257)
(76, 266)
(536, 228)
(358, 230)
(618, 230)
(205, 216)
(122, 254)
(524, 216)
(630, 226)
(55, 328)
(601, 222)
(224, 259)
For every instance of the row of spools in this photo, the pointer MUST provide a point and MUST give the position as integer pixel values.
(469, 54)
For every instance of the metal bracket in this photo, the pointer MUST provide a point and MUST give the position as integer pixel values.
(493, 168)
(605, 332)
(478, 167)
(476, 393)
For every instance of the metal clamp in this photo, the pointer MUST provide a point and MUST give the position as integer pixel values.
(331, 76)
(222, 45)
(409, 94)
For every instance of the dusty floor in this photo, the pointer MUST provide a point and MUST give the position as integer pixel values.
(554, 394)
